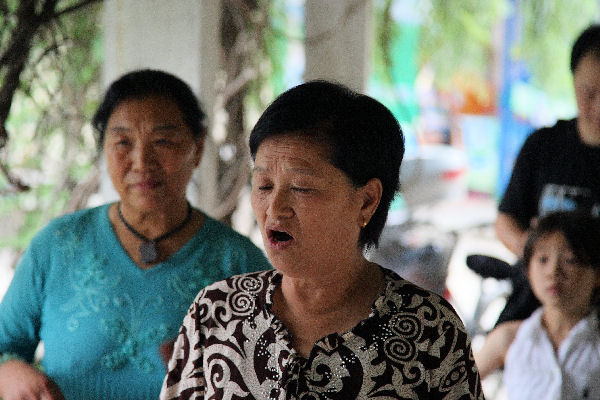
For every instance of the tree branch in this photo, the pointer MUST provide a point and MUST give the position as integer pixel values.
(74, 8)
(14, 59)
(3, 7)
(13, 180)
(83, 190)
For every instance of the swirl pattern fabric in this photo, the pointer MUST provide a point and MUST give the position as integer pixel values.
(231, 346)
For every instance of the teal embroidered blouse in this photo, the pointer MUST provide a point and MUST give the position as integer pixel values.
(102, 318)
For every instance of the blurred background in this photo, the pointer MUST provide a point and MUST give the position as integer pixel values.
(468, 80)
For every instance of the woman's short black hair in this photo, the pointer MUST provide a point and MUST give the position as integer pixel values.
(144, 83)
(364, 138)
(581, 230)
(588, 42)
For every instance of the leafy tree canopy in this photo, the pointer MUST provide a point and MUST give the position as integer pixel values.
(49, 83)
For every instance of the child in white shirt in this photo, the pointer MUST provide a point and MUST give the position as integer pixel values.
(555, 353)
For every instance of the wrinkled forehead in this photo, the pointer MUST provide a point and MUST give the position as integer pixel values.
(301, 139)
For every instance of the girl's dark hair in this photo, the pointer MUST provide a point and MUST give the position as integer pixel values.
(145, 83)
(581, 230)
(364, 139)
(588, 42)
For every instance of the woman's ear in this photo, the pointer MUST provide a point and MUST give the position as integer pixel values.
(371, 196)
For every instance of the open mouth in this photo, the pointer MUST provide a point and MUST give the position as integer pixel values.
(279, 236)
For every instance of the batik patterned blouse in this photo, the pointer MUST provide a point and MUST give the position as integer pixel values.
(231, 346)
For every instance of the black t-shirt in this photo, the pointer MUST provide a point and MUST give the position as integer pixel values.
(554, 171)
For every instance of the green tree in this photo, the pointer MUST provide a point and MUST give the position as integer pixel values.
(465, 37)
(50, 58)
(548, 29)
(48, 157)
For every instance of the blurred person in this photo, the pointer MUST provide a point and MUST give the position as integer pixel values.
(555, 353)
(558, 167)
(326, 322)
(104, 287)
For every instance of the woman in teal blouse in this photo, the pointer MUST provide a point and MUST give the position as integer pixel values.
(103, 288)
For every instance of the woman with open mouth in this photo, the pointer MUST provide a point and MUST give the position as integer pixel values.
(326, 322)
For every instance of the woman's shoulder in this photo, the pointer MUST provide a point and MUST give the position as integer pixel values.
(398, 286)
(251, 283)
(238, 254)
(244, 294)
(525, 335)
(224, 234)
(76, 221)
(403, 296)
(530, 326)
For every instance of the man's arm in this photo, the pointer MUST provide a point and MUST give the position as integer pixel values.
(493, 352)
(510, 233)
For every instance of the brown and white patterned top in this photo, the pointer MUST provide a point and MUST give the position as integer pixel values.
(231, 346)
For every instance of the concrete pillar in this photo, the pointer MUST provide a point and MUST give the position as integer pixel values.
(178, 36)
(338, 37)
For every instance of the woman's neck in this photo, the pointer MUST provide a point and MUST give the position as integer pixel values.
(558, 323)
(313, 308)
(334, 290)
(180, 227)
(153, 223)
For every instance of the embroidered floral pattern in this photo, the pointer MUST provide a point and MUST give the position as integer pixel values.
(88, 281)
(91, 286)
(132, 336)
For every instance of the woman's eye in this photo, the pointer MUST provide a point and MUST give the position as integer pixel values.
(571, 260)
(264, 187)
(301, 189)
(163, 141)
(542, 259)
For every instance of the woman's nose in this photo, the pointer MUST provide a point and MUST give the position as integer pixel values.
(555, 268)
(279, 204)
(143, 156)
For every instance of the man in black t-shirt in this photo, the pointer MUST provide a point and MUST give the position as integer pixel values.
(558, 168)
(555, 171)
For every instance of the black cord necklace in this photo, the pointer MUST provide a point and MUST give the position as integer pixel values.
(148, 249)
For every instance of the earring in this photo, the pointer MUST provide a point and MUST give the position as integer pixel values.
(364, 225)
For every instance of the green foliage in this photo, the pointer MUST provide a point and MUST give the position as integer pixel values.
(394, 69)
(385, 31)
(457, 36)
(51, 146)
(276, 43)
(274, 36)
(464, 37)
(548, 31)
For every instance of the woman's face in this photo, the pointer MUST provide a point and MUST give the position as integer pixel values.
(558, 279)
(309, 213)
(587, 94)
(150, 153)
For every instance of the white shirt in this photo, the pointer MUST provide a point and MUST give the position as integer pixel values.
(532, 370)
